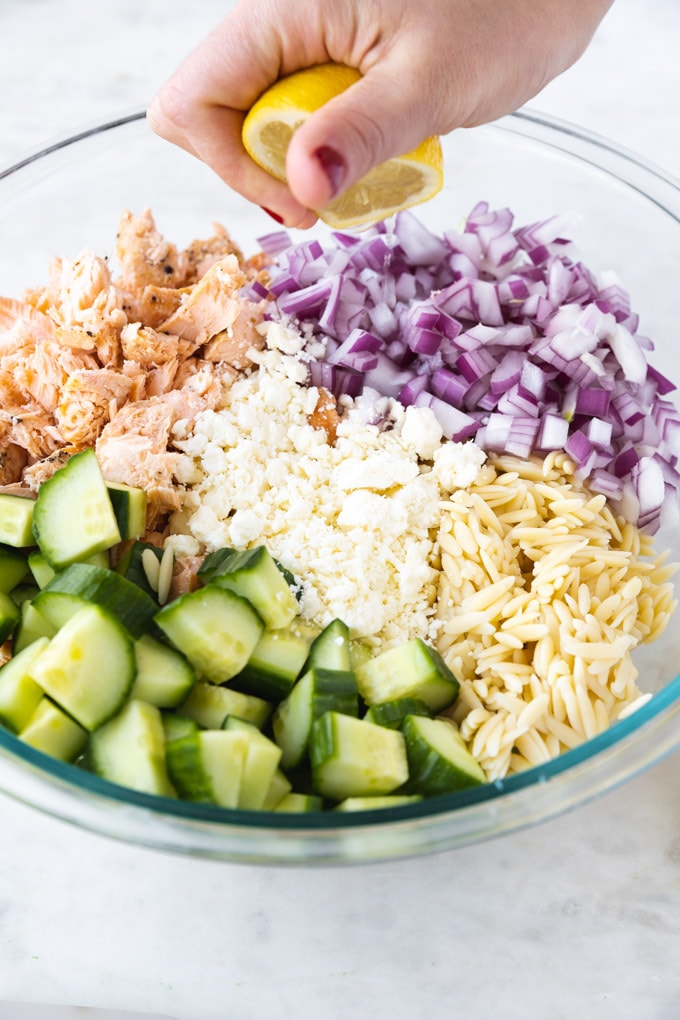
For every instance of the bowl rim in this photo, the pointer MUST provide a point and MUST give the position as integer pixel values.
(233, 834)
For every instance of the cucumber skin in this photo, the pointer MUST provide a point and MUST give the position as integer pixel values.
(393, 713)
(129, 506)
(10, 615)
(331, 648)
(316, 692)
(254, 575)
(132, 606)
(429, 773)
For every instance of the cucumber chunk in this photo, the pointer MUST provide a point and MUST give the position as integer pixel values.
(13, 568)
(299, 803)
(19, 693)
(409, 670)
(130, 750)
(53, 732)
(176, 726)
(207, 766)
(354, 758)
(16, 520)
(82, 583)
(393, 713)
(88, 666)
(73, 516)
(31, 626)
(210, 704)
(439, 761)
(276, 662)
(318, 691)
(279, 788)
(253, 574)
(10, 614)
(371, 803)
(129, 506)
(216, 629)
(41, 570)
(331, 648)
(261, 763)
(164, 676)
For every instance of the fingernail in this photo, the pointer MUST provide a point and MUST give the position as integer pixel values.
(274, 216)
(333, 166)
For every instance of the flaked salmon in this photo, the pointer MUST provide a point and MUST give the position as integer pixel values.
(113, 355)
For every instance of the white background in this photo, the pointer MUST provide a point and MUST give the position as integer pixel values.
(577, 917)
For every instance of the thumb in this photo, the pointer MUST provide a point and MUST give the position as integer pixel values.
(379, 117)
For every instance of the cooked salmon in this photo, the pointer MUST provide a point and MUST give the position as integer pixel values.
(112, 356)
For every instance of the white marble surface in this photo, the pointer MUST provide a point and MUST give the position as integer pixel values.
(577, 917)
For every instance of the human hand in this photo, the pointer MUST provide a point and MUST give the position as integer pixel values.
(428, 67)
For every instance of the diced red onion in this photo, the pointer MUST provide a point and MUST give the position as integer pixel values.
(501, 331)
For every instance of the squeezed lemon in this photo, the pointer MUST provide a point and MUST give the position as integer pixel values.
(396, 184)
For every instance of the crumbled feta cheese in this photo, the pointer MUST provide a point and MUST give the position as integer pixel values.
(421, 432)
(355, 522)
(456, 465)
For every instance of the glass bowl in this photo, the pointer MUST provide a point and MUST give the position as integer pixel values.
(626, 217)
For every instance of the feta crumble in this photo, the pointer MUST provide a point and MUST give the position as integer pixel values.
(356, 522)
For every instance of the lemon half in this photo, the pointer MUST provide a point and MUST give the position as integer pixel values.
(393, 185)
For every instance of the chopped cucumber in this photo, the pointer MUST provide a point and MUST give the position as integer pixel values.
(253, 574)
(163, 676)
(130, 749)
(299, 803)
(409, 670)
(176, 726)
(43, 573)
(210, 704)
(261, 763)
(276, 663)
(279, 787)
(371, 803)
(40, 568)
(10, 614)
(16, 520)
(439, 761)
(88, 666)
(73, 517)
(82, 583)
(207, 766)
(354, 758)
(129, 506)
(54, 732)
(393, 713)
(13, 568)
(19, 693)
(216, 629)
(331, 649)
(31, 626)
(318, 691)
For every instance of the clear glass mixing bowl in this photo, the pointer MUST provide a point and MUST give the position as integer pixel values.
(626, 217)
